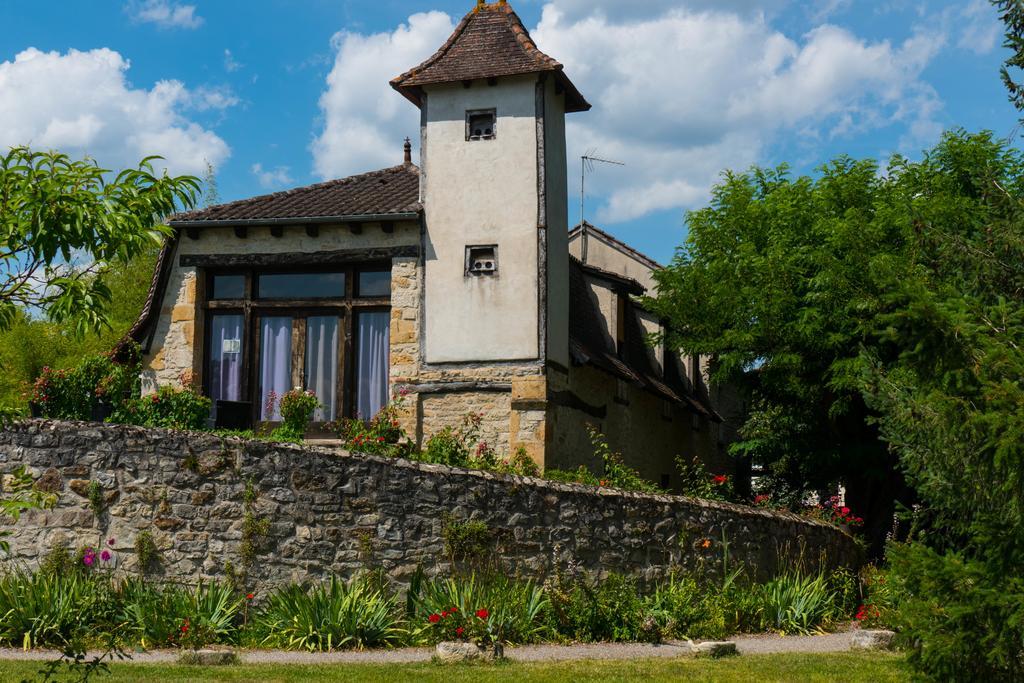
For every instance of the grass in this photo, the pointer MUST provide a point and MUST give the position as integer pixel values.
(830, 668)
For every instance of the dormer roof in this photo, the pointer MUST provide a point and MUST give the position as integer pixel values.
(490, 42)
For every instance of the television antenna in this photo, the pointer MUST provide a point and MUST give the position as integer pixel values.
(587, 162)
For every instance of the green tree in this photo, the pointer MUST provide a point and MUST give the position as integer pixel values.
(1012, 14)
(775, 282)
(63, 223)
(868, 313)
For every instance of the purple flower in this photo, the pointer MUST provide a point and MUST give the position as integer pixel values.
(105, 556)
(110, 542)
(87, 560)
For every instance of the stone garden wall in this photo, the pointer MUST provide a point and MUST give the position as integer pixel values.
(280, 513)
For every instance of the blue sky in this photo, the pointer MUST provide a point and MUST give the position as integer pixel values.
(281, 93)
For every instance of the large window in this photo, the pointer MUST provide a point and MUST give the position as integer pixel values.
(321, 330)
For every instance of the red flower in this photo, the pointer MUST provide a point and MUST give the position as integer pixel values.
(459, 631)
(482, 613)
(249, 596)
(844, 511)
(719, 479)
(434, 618)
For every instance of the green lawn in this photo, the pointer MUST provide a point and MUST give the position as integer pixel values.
(788, 668)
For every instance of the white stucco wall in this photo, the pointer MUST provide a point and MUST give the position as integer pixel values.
(481, 193)
(604, 256)
(557, 224)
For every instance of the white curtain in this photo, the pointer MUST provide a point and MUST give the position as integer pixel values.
(322, 364)
(372, 364)
(275, 364)
(226, 358)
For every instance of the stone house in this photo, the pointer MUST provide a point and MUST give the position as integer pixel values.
(455, 282)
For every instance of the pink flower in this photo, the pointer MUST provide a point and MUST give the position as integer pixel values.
(110, 542)
(87, 560)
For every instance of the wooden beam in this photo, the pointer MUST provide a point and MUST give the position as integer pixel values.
(277, 230)
(355, 228)
(241, 232)
(313, 230)
(316, 258)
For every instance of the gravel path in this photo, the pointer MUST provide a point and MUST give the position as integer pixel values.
(747, 645)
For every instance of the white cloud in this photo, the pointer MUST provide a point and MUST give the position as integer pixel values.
(365, 120)
(81, 103)
(688, 94)
(230, 64)
(164, 14)
(980, 27)
(277, 177)
(679, 94)
(205, 97)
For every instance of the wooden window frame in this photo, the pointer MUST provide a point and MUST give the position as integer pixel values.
(252, 310)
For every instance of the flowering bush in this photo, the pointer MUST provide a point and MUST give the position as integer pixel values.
(297, 409)
(696, 481)
(383, 435)
(168, 407)
(834, 512)
(71, 393)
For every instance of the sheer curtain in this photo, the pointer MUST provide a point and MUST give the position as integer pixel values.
(226, 358)
(322, 363)
(372, 364)
(275, 364)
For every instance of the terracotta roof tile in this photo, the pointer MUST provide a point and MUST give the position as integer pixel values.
(389, 191)
(491, 41)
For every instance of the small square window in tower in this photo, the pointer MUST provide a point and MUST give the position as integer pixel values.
(481, 125)
(481, 261)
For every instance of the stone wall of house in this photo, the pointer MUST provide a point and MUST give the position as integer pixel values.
(326, 512)
(438, 396)
(649, 431)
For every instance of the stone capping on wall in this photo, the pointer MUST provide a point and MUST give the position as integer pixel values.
(326, 517)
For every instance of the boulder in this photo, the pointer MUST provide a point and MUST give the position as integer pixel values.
(450, 652)
(873, 640)
(715, 649)
(207, 658)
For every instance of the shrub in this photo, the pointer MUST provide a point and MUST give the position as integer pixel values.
(832, 511)
(519, 463)
(337, 615)
(578, 476)
(488, 608)
(297, 409)
(70, 394)
(169, 408)
(466, 541)
(608, 610)
(961, 619)
(383, 435)
(698, 482)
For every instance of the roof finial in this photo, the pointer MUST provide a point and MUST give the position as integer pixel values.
(408, 152)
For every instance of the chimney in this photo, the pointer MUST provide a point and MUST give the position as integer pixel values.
(408, 152)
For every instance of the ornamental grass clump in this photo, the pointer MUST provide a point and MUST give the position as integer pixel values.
(355, 614)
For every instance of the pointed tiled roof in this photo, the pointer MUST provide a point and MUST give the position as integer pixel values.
(391, 191)
(491, 41)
